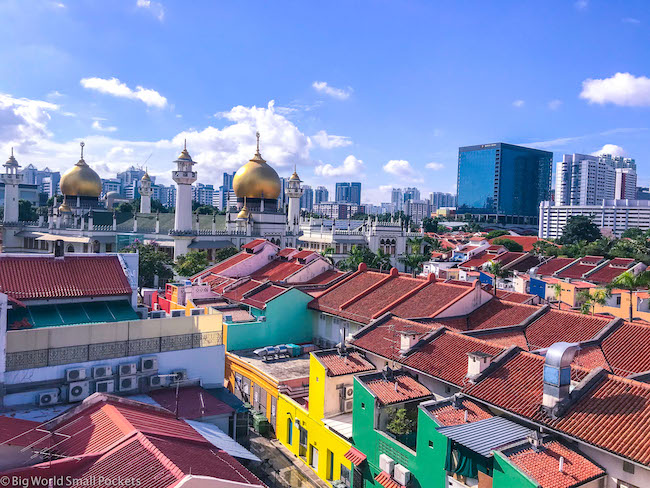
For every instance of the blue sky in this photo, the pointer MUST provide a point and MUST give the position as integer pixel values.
(383, 92)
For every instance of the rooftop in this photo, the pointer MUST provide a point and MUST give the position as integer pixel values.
(557, 325)
(551, 266)
(280, 370)
(400, 388)
(611, 270)
(582, 267)
(339, 365)
(452, 412)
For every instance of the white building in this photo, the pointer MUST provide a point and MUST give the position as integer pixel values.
(611, 215)
(625, 184)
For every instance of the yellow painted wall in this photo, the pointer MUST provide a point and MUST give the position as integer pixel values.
(78, 335)
(624, 310)
(268, 385)
(317, 379)
(318, 435)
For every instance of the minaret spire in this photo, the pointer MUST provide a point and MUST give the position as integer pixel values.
(82, 144)
(257, 134)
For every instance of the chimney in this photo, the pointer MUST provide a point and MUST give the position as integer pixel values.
(406, 342)
(561, 464)
(535, 440)
(477, 361)
(557, 374)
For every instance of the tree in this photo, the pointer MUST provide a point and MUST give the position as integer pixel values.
(156, 206)
(225, 253)
(557, 291)
(191, 263)
(356, 256)
(328, 254)
(630, 282)
(496, 233)
(546, 248)
(399, 422)
(632, 233)
(509, 244)
(579, 228)
(383, 260)
(591, 299)
(496, 269)
(152, 263)
(430, 225)
(26, 212)
(414, 262)
(125, 207)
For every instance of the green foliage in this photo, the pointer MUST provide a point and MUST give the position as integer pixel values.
(580, 228)
(152, 263)
(632, 233)
(509, 244)
(630, 282)
(156, 206)
(545, 248)
(358, 255)
(400, 422)
(430, 225)
(496, 233)
(125, 207)
(26, 211)
(225, 253)
(589, 300)
(191, 263)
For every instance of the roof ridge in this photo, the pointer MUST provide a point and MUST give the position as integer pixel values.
(361, 269)
(390, 276)
(177, 472)
(430, 280)
(469, 291)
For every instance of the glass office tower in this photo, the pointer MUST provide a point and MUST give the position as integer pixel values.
(503, 179)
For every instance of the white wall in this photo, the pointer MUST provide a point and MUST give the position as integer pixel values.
(614, 468)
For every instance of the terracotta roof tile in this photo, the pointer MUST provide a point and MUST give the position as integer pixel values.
(508, 257)
(227, 263)
(543, 465)
(262, 297)
(582, 267)
(511, 296)
(525, 241)
(477, 260)
(283, 253)
(42, 277)
(494, 313)
(384, 339)
(613, 269)
(506, 338)
(237, 293)
(627, 349)
(402, 388)
(254, 243)
(553, 265)
(338, 365)
(325, 277)
(447, 414)
(429, 300)
(277, 270)
(556, 325)
(526, 263)
(193, 402)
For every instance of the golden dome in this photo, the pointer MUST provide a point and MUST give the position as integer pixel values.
(244, 213)
(294, 176)
(64, 207)
(256, 179)
(81, 180)
(146, 177)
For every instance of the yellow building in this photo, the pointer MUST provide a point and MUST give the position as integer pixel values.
(320, 431)
(618, 304)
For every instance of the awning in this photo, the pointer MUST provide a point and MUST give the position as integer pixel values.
(210, 244)
(28, 233)
(386, 481)
(355, 456)
(54, 238)
(220, 439)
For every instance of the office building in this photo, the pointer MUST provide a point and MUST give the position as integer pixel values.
(348, 193)
(111, 184)
(45, 180)
(642, 193)
(321, 195)
(130, 176)
(411, 194)
(625, 184)
(504, 181)
(203, 194)
(397, 199)
(307, 198)
(441, 200)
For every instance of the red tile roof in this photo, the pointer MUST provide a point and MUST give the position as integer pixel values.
(556, 325)
(277, 270)
(18, 432)
(477, 260)
(402, 388)
(582, 267)
(384, 479)
(553, 265)
(543, 465)
(430, 300)
(627, 349)
(254, 243)
(508, 257)
(377, 300)
(384, 339)
(447, 414)
(511, 296)
(494, 313)
(237, 293)
(526, 263)
(337, 365)
(525, 241)
(43, 277)
(286, 252)
(355, 456)
(193, 402)
(506, 338)
(325, 277)
(613, 269)
(614, 414)
(227, 263)
(590, 357)
(303, 254)
(262, 297)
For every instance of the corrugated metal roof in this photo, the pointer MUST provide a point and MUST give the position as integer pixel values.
(485, 435)
(220, 439)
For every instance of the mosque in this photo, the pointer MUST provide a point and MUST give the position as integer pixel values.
(84, 222)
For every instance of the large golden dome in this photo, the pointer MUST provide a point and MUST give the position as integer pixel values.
(81, 180)
(256, 179)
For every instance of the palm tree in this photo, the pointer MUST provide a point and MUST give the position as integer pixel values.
(328, 254)
(383, 260)
(590, 300)
(498, 271)
(557, 291)
(630, 282)
(413, 261)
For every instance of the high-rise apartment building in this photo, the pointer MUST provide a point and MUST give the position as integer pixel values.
(307, 198)
(348, 192)
(131, 175)
(503, 180)
(440, 200)
(397, 199)
(111, 184)
(625, 184)
(202, 194)
(46, 180)
(321, 195)
(411, 194)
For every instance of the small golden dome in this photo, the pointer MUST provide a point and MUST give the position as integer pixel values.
(64, 208)
(244, 213)
(81, 180)
(256, 179)
(294, 176)
(146, 177)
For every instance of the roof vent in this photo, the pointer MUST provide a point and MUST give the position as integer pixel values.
(557, 373)
(535, 440)
(477, 361)
(407, 341)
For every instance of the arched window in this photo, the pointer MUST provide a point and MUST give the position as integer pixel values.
(70, 248)
(393, 247)
(289, 431)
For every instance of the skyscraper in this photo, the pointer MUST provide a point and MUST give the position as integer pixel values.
(440, 199)
(355, 193)
(307, 199)
(625, 184)
(411, 193)
(503, 180)
(321, 195)
(348, 192)
(397, 199)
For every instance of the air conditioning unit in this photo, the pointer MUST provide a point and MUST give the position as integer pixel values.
(76, 374)
(107, 386)
(156, 381)
(402, 475)
(197, 311)
(47, 398)
(262, 318)
(347, 406)
(78, 391)
(157, 314)
(181, 375)
(349, 391)
(178, 313)
(128, 369)
(149, 364)
(128, 383)
(100, 372)
(386, 464)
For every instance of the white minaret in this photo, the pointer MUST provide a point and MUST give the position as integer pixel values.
(294, 191)
(11, 178)
(184, 176)
(145, 193)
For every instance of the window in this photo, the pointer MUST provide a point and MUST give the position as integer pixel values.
(345, 475)
(289, 431)
(431, 444)
(313, 457)
(628, 467)
(330, 465)
(363, 405)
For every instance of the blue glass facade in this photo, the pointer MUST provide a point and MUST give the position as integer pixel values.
(503, 179)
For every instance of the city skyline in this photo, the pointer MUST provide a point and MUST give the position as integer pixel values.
(331, 120)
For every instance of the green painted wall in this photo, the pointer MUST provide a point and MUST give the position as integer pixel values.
(287, 320)
(506, 475)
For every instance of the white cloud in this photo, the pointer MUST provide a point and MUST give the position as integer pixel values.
(116, 88)
(97, 125)
(338, 93)
(622, 89)
(351, 167)
(581, 4)
(402, 169)
(612, 149)
(377, 195)
(518, 103)
(328, 141)
(435, 166)
(23, 122)
(630, 20)
(156, 8)
(55, 94)
(555, 104)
